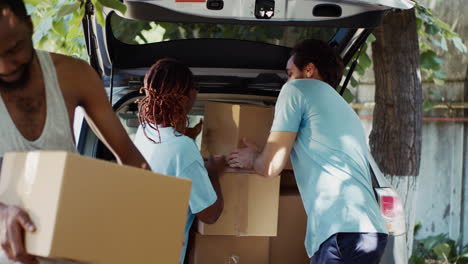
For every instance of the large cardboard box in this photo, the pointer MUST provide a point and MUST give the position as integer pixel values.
(230, 250)
(250, 206)
(95, 211)
(288, 246)
(226, 124)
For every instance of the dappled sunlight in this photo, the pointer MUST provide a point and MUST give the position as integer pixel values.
(368, 244)
(277, 160)
(327, 197)
(354, 194)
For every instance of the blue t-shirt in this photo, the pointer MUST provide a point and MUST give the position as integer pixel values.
(329, 158)
(178, 156)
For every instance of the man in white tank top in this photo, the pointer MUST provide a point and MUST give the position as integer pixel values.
(39, 92)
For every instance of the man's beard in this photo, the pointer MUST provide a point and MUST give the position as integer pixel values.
(22, 80)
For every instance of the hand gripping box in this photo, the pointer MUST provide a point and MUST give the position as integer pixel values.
(95, 211)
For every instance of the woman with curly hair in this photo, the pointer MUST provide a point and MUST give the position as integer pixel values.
(163, 139)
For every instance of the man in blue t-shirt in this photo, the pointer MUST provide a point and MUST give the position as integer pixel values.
(328, 149)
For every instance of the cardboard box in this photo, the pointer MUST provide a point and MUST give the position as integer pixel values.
(250, 206)
(226, 124)
(95, 211)
(288, 246)
(230, 250)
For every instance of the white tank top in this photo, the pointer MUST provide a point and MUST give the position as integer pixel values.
(56, 134)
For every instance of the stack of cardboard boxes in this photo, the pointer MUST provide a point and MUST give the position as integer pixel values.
(258, 225)
(100, 212)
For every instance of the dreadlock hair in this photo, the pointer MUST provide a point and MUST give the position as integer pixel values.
(167, 84)
(325, 58)
(16, 6)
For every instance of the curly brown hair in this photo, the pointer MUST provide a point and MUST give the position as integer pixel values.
(168, 85)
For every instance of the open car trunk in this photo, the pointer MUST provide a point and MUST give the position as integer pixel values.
(237, 50)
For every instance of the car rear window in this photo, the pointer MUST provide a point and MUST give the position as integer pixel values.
(143, 32)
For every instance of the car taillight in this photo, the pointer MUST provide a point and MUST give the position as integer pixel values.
(392, 211)
(387, 206)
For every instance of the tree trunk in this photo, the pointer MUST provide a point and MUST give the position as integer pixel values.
(395, 139)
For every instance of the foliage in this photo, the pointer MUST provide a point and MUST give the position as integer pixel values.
(58, 26)
(58, 23)
(434, 38)
(438, 249)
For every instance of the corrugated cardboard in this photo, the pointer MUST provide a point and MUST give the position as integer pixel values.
(96, 211)
(250, 206)
(230, 250)
(226, 124)
(288, 246)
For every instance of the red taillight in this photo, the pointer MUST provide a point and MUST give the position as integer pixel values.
(392, 210)
(388, 205)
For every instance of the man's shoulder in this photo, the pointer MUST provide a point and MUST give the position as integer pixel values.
(63, 62)
(75, 76)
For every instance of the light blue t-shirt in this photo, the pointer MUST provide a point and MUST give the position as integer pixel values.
(178, 156)
(329, 161)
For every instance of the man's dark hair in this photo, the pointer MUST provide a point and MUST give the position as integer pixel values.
(16, 6)
(324, 57)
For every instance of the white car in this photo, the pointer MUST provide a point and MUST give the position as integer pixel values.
(237, 50)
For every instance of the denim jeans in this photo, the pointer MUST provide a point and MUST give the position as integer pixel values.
(351, 248)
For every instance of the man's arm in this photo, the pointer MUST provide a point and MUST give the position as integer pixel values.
(92, 97)
(271, 161)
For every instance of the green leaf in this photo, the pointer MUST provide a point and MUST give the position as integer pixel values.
(425, 18)
(99, 12)
(435, 42)
(431, 29)
(428, 105)
(416, 260)
(365, 61)
(442, 250)
(360, 70)
(417, 227)
(34, 2)
(443, 43)
(348, 96)
(371, 38)
(60, 27)
(68, 9)
(354, 82)
(419, 24)
(114, 4)
(424, 46)
(37, 37)
(457, 41)
(77, 18)
(429, 60)
(432, 241)
(442, 24)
